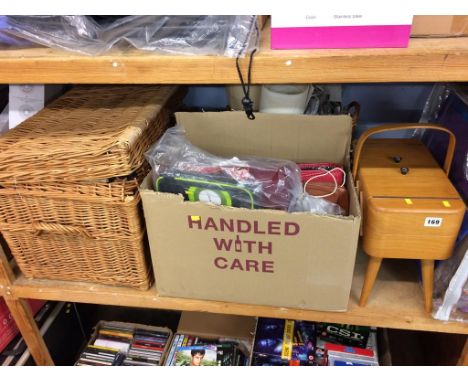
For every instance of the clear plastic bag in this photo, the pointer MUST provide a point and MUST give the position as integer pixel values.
(450, 298)
(319, 206)
(449, 108)
(433, 105)
(250, 182)
(4, 121)
(180, 167)
(182, 35)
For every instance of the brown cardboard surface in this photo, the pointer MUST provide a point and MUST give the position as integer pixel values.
(262, 20)
(300, 138)
(439, 26)
(293, 260)
(354, 208)
(211, 325)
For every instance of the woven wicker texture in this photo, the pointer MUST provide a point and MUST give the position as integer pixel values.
(96, 210)
(93, 220)
(69, 202)
(90, 133)
(72, 257)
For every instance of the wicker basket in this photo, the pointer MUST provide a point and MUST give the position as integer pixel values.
(99, 210)
(354, 109)
(69, 203)
(60, 255)
(78, 232)
(90, 133)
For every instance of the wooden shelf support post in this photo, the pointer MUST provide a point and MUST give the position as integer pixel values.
(463, 360)
(21, 313)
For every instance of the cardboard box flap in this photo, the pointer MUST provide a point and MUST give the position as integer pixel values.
(300, 138)
(429, 25)
(217, 325)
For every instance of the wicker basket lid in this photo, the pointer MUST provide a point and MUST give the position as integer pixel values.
(90, 133)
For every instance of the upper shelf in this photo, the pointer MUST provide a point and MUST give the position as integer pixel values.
(396, 300)
(425, 60)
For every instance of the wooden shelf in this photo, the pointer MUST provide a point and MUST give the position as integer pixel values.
(425, 60)
(396, 301)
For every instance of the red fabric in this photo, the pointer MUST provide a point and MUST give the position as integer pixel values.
(308, 170)
(325, 184)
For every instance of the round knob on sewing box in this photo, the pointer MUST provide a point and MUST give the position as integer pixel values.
(397, 159)
(404, 170)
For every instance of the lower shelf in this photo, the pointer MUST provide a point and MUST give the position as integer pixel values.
(396, 301)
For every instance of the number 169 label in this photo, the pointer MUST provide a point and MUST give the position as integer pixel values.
(433, 222)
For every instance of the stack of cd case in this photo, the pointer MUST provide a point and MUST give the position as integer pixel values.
(124, 344)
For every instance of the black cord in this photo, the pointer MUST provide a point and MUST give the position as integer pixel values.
(247, 102)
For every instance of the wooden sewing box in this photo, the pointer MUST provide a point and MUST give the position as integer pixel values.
(410, 208)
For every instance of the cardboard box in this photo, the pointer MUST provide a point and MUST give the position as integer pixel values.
(298, 260)
(328, 31)
(262, 20)
(131, 327)
(439, 26)
(240, 329)
(211, 325)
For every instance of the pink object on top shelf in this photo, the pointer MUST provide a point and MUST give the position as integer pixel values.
(331, 31)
